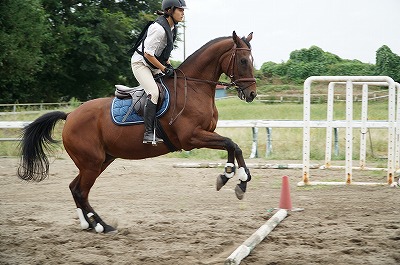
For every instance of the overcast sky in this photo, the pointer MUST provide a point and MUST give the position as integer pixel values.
(351, 29)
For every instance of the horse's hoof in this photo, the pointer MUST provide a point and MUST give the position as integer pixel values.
(221, 181)
(108, 229)
(239, 192)
(112, 232)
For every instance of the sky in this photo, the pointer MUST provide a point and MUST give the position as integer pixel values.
(351, 29)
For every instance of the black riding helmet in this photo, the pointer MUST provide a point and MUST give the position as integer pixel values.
(167, 4)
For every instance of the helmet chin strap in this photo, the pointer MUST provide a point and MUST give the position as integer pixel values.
(170, 14)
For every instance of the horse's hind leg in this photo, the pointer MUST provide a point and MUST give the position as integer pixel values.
(80, 188)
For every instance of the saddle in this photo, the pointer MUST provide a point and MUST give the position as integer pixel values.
(128, 105)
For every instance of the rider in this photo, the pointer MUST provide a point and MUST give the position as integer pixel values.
(152, 57)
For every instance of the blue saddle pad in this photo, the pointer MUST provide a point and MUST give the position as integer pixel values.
(123, 111)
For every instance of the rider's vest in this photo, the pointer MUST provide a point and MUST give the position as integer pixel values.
(171, 36)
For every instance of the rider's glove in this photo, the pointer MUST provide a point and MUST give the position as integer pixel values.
(169, 71)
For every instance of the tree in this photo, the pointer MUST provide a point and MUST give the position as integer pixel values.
(23, 31)
(388, 63)
(314, 54)
(62, 49)
(94, 39)
(354, 67)
(315, 62)
(309, 62)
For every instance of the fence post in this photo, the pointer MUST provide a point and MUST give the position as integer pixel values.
(268, 150)
(254, 148)
(336, 135)
(363, 131)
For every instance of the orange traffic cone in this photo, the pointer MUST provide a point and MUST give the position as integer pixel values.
(285, 202)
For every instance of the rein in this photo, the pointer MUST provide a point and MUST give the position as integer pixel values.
(231, 75)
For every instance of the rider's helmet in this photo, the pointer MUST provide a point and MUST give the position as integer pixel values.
(167, 4)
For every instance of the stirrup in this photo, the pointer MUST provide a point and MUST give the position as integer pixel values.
(154, 140)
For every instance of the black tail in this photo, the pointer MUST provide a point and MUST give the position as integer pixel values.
(36, 139)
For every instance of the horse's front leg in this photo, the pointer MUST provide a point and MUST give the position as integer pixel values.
(205, 139)
(243, 173)
(229, 171)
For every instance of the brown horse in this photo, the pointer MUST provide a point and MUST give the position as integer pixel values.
(93, 141)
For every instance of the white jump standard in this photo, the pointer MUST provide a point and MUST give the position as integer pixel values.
(350, 124)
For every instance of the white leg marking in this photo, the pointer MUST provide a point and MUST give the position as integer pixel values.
(241, 173)
(99, 228)
(84, 223)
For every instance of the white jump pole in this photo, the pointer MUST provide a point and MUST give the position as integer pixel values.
(249, 165)
(244, 250)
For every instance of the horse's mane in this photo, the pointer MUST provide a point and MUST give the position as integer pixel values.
(205, 46)
(211, 42)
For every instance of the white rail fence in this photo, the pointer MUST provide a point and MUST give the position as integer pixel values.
(255, 125)
(15, 108)
(12, 125)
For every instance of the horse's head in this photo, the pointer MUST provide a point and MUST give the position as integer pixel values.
(240, 68)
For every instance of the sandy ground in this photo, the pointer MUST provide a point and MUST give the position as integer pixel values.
(168, 215)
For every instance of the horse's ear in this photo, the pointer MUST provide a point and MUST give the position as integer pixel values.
(250, 37)
(236, 39)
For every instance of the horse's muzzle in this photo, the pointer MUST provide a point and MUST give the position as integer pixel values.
(251, 97)
(248, 97)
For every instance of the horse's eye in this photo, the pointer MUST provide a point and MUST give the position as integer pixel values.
(243, 61)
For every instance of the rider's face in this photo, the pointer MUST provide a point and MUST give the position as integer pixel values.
(179, 14)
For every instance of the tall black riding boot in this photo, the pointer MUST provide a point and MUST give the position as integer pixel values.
(149, 116)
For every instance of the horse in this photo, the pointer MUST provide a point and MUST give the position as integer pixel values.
(94, 141)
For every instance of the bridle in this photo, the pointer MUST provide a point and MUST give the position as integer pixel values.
(230, 73)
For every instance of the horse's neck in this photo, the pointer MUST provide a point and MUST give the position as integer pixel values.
(205, 63)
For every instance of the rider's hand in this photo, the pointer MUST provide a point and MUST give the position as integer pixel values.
(169, 70)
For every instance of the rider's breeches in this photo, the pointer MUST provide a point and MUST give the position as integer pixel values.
(144, 76)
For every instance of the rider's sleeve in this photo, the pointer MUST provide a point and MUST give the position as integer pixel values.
(156, 40)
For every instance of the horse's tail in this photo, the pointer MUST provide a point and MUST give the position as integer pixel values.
(36, 139)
